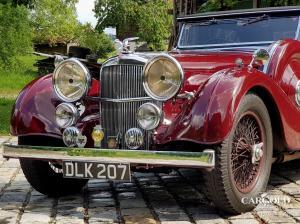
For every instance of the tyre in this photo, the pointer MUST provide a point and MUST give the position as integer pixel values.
(243, 160)
(46, 178)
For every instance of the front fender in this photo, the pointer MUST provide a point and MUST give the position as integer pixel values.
(34, 110)
(209, 117)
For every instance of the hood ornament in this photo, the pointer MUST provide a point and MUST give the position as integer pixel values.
(124, 46)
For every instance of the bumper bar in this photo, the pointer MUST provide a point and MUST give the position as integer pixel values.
(205, 159)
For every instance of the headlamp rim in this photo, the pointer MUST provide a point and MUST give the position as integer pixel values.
(86, 73)
(74, 111)
(146, 70)
(158, 110)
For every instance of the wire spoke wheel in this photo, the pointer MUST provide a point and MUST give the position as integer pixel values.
(247, 152)
(243, 159)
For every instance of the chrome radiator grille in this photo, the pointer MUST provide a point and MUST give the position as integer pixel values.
(117, 82)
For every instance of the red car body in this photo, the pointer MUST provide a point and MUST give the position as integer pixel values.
(207, 118)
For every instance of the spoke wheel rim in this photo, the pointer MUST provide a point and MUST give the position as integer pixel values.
(248, 132)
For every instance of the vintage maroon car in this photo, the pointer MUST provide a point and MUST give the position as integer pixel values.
(226, 99)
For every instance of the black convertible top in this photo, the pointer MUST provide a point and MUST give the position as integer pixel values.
(287, 10)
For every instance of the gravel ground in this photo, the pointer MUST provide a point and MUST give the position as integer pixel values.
(175, 198)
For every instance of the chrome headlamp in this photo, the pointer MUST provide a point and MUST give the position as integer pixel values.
(149, 116)
(71, 80)
(66, 114)
(162, 77)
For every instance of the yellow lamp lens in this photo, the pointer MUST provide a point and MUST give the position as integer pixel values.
(97, 135)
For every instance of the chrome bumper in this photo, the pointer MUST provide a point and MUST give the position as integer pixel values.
(205, 159)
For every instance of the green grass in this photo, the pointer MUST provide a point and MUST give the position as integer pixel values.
(11, 83)
(5, 111)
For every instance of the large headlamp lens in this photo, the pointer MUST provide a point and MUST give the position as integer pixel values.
(66, 114)
(149, 116)
(71, 80)
(163, 77)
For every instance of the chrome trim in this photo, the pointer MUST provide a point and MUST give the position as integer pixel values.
(298, 29)
(297, 93)
(231, 13)
(135, 59)
(159, 114)
(124, 100)
(57, 60)
(219, 45)
(146, 69)
(91, 117)
(186, 95)
(272, 51)
(86, 73)
(204, 159)
(236, 48)
(63, 56)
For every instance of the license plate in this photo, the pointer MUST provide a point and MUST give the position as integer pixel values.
(95, 170)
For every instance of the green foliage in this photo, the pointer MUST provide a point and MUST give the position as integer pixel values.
(147, 19)
(26, 3)
(154, 24)
(217, 5)
(54, 21)
(220, 5)
(15, 35)
(99, 43)
(274, 3)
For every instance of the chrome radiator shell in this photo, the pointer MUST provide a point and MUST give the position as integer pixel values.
(121, 81)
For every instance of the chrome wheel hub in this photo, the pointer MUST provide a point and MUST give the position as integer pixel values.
(257, 152)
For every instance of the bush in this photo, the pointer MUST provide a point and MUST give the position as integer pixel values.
(149, 23)
(99, 43)
(15, 35)
(54, 21)
(150, 20)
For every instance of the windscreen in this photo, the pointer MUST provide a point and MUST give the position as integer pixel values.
(238, 31)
